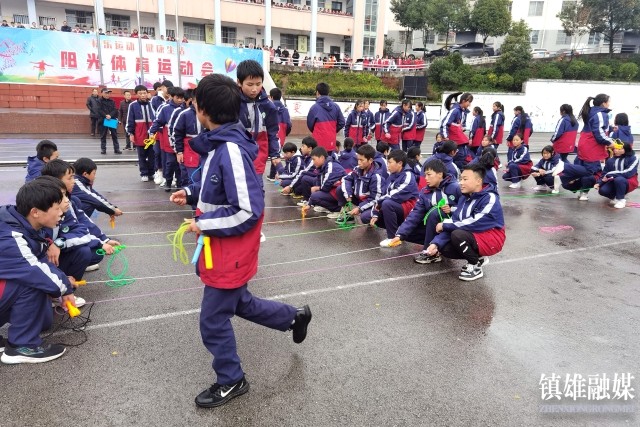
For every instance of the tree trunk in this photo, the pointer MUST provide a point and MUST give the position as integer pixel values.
(484, 44)
(611, 35)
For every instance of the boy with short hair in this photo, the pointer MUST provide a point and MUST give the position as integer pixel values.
(90, 199)
(325, 118)
(322, 195)
(420, 225)
(160, 129)
(45, 152)
(348, 159)
(475, 231)
(398, 198)
(258, 114)
(382, 151)
(230, 214)
(307, 172)
(292, 166)
(186, 127)
(29, 280)
(140, 117)
(363, 186)
(123, 109)
(284, 123)
(158, 102)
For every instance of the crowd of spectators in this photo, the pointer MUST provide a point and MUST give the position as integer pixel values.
(287, 5)
(386, 63)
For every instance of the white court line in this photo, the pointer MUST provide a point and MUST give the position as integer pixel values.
(355, 285)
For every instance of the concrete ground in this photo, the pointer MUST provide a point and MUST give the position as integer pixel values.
(391, 342)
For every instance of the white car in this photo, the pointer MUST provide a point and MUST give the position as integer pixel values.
(540, 53)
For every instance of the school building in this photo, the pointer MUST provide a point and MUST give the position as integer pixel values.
(313, 27)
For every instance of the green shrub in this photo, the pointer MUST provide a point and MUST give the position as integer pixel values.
(575, 70)
(437, 68)
(505, 81)
(627, 71)
(478, 81)
(492, 78)
(450, 80)
(455, 59)
(549, 71)
(604, 72)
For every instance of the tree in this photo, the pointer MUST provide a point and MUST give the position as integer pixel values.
(388, 46)
(610, 17)
(408, 13)
(490, 18)
(516, 51)
(575, 18)
(444, 16)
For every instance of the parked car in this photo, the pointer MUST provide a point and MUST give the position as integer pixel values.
(443, 51)
(540, 53)
(472, 49)
(567, 52)
(419, 52)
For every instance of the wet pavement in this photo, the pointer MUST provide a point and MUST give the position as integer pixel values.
(391, 342)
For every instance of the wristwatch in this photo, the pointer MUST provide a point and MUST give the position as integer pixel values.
(59, 242)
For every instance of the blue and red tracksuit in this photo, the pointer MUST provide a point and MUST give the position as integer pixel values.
(394, 126)
(479, 214)
(357, 127)
(171, 166)
(453, 125)
(291, 168)
(399, 197)
(362, 187)
(623, 134)
(90, 199)
(382, 162)
(491, 173)
(623, 177)
(547, 166)
(517, 126)
(185, 128)
(260, 118)
(27, 280)
(140, 117)
(284, 122)
(230, 203)
(379, 118)
(452, 168)
(420, 225)
(156, 103)
(478, 131)
(348, 160)
(160, 128)
(408, 130)
(371, 121)
(421, 127)
(305, 178)
(328, 179)
(519, 164)
(593, 143)
(34, 168)
(324, 121)
(564, 137)
(496, 129)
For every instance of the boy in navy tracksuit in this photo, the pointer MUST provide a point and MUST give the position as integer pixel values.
(28, 279)
(325, 119)
(140, 117)
(382, 151)
(362, 187)
(157, 103)
(293, 164)
(348, 159)
(161, 127)
(90, 199)
(476, 227)
(304, 179)
(398, 198)
(258, 114)
(230, 212)
(323, 193)
(185, 128)
(45, 152)
(420, 225)
(284, 123)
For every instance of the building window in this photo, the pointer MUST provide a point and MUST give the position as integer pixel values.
(194, 31)
(46, 20)
(288, 41)
(369, 46)
(431, 38)
(349, 7)
(336, 6)
(319, 44)
(151, 31)
(563, 38)
(229, 35)
(594, 38)
(78, 17)
(170, 33)
(371, 16)
(250, 42)
(442, 38)
(510, 6)
(406, 37)
(535, 8)
(347, 46)
(533, 36)
(21, 19)
(116, 21)
(618, 37)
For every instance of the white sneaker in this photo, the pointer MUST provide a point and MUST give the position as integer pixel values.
(539, 188)
(556, 185)
(93, 267)
(620, 204)
(271, 179)
(516, 185)
(333, 215)
(302, 203)
(386, 243)
(613, 201)
(321, 209)
(79, 302)
(163, 183)
(583, 197)
(144, 178)
(157, 177)
(263, 238)
(558, 169)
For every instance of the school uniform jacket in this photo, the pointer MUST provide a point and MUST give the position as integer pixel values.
(382, 162)
(625, 166)
(348, 160)
(284, 122)
(74, 228)
(564, 137)
(452, 168)
(364, 187)
(260, 118)
(453, 125)
(23, 256)
(379, 118)
(421, 126)
(546, 165)
(400, 187)
(186, 127)
(516, 124)
(357, 127)
(156, 102)
(306, 168)
(449, 189)
(593, 143)
(496, 129)
(230, 205)
(477, 132)
(409, 126)
(90, 198)
(478, 213)
(161, 125)
(324, 121)
(394, 125)
(329, 175)
(291, 168)
(34, 168)
(623, 134)
(519, 156)
(139, 119)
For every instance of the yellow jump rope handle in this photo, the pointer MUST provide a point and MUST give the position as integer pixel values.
(208, 257)
(73, 311)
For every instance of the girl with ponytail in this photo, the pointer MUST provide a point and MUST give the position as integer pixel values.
(521, 124)
(564, 137)
(454, 123)
(496, 129)
(478, 128)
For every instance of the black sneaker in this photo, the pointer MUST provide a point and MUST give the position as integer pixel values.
(471, 272)
(117, 152)
(2, 343)
(423, 258)
(299, 327)
(14, 355)
(218, 395)
(103, 152)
